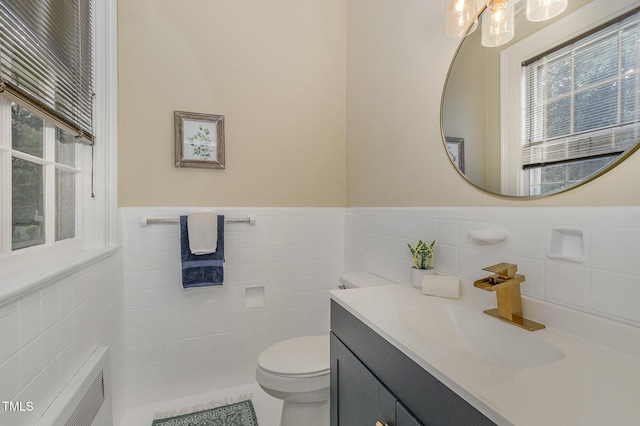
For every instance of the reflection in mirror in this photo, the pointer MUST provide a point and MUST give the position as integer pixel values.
(559, 104)
(455, 147)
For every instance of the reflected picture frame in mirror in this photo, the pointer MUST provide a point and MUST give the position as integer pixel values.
(488, 165)
(455, 148)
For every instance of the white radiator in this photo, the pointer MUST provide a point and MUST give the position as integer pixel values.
(86, 400)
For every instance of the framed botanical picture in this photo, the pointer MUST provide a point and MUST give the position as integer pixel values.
(199, 140)
(455, 146)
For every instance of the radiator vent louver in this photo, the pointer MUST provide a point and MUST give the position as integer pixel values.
(86, 398)
(87, 409)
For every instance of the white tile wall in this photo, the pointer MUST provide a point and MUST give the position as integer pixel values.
(46, 336)
(181, 342)
(606, 283)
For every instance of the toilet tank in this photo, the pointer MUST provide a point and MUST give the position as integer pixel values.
(362, 279)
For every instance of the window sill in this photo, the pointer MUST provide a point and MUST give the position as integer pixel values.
(14, 286)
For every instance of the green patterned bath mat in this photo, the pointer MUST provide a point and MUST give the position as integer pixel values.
(237, 414)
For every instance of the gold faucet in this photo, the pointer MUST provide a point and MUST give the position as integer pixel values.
(506, 283)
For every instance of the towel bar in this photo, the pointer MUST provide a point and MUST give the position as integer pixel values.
(145, 221)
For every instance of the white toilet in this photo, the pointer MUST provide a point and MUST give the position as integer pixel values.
(297, 370)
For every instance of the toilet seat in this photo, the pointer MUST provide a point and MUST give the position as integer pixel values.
(306, 356)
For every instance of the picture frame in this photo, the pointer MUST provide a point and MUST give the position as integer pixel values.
(455, 146)
(199, 140)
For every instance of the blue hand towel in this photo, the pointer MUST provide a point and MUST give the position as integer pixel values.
(205, 269)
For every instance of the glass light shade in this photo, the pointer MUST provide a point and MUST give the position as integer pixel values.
(501, 4)
(497, 25)
(461, 16)
(541, 10)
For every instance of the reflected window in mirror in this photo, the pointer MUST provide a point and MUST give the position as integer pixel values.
(580, 106)
(482, 103)
(570, 100)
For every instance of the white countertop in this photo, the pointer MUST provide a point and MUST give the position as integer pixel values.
(591, 385)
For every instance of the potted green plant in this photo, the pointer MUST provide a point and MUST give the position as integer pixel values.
(422, 254)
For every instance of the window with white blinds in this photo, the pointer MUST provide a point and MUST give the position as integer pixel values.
(582, 104)
(46, 107)
(46, 60)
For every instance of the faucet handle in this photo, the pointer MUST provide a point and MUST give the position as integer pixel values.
(504, 270)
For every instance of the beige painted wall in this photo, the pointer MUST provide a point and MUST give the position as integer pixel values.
(279, 73)
(397, 60)
(274, 69)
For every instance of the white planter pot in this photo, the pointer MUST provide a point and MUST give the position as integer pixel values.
(418, 274)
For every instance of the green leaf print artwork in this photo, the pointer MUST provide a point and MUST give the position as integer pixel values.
(201, 144)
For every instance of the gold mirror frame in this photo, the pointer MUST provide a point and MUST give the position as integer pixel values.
(453, 161)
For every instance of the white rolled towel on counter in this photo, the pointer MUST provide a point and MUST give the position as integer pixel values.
(441, 286)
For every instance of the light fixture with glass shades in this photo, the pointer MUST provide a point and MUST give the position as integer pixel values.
(541, 10)
(498, 23)
(498, 17)
(462, 15)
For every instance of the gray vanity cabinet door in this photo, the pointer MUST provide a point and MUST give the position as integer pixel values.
(404, 417)
(357, 397)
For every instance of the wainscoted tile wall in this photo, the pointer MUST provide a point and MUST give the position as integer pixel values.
(605, 283)
(46, 336)
(181, 342)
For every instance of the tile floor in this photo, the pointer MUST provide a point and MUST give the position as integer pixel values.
(267, 408)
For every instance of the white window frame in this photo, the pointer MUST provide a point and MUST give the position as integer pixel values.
(512, 178)
(96, 218)
(50, 169)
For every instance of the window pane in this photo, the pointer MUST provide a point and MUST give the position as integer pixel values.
(548, 189)
(534, 181)
(553, 174)
(65, 148)
(543, 180)
(559, 77)
(583, 169)
(630, 99)
(630, 50)
(27, 211)
(65, 205)
(27, 131)
(597, 61)
(558, 118)
(596, 108)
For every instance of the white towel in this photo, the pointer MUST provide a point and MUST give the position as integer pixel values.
(203, 232)
(441, 286)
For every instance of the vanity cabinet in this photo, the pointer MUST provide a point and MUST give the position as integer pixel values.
(373, 381)
(374, 404)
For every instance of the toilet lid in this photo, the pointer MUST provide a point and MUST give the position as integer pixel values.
(301, 356)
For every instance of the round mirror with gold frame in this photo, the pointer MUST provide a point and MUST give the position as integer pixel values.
(554, 108)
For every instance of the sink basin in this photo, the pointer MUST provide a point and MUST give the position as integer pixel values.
(454, 330)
